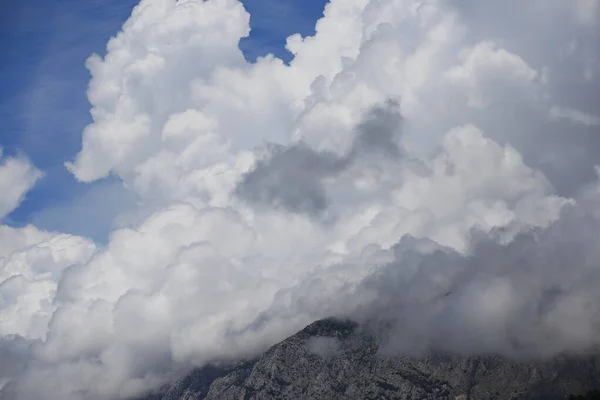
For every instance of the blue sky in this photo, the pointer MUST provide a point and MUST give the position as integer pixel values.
(43, 81)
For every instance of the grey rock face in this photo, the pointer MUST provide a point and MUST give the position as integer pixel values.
(333, 360)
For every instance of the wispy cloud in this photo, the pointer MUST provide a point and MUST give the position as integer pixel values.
(574, 116)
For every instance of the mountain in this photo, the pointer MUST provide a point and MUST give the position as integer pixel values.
(333, 359)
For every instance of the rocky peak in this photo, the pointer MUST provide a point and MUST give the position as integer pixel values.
(332, 359)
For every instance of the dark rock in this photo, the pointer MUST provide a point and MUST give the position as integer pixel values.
(353, 368)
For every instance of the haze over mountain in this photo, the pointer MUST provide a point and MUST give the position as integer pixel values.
(427, 169)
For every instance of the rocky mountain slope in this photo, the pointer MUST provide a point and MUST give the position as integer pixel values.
(333, 360)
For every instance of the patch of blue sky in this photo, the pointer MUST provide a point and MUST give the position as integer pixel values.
(272, 21)
(43, 103)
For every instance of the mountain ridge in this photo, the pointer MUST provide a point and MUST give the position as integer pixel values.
(335, 359)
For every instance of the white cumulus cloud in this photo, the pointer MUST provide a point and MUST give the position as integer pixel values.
(404, 160)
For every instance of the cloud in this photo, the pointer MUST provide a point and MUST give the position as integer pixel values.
(323, 346)
(294, 177)
(128, 112)
(529, 297)
(17, 176)
(462, 207)
(574, 116)
(32, 262)
(291, 177)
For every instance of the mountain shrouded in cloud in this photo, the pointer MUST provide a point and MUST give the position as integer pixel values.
(430, 165)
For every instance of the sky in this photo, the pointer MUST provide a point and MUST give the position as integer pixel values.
(170, 200)
(43, 103)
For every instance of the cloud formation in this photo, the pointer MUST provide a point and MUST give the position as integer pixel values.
(295, 177)
(468, 207)
(17, 177)
(531, 297)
